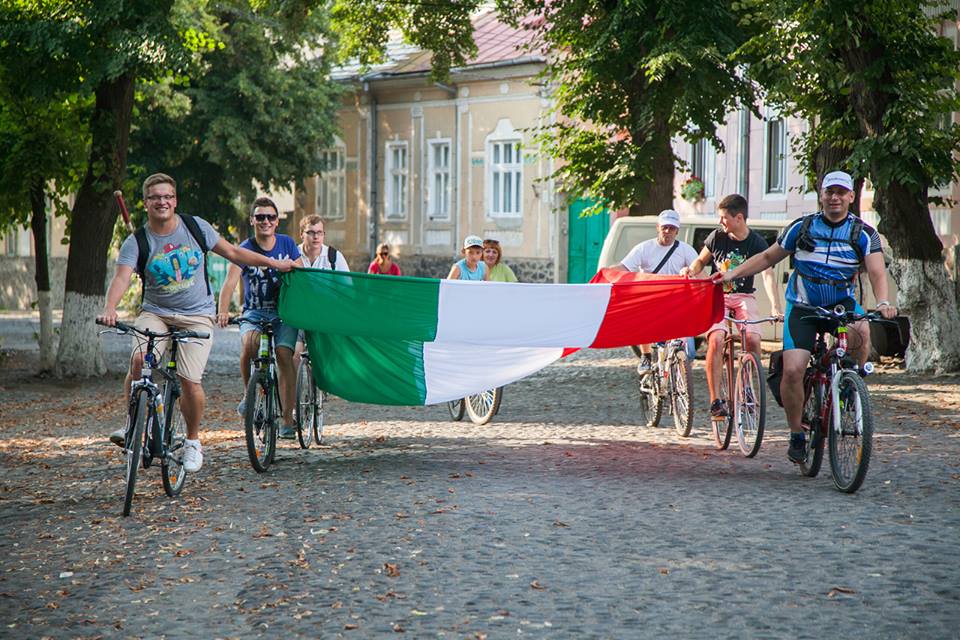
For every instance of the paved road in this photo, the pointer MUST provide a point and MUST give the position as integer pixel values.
(560, 519)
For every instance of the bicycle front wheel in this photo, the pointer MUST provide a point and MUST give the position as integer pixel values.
(259, 425)
(851, 442)
(306, 409)
(174, 435)
(813, 426)
(136, 432)
(482, 406)
(749, 405)
(319, 402)
(681, 402)
(651, 404)
(723, 425)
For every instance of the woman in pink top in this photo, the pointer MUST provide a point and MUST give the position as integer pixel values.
(382, 263)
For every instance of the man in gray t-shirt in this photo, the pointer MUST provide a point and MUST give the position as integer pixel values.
(175, 296)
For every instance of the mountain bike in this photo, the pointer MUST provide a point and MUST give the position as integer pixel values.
(156, 429)
(263, 408)
(310, 400)
(836, 403)
(668, 382)
(747, 407)
(480, 407)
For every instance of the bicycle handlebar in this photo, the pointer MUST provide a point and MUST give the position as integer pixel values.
(261, 324)
(773, 319)
(840, 314)
(123, 327)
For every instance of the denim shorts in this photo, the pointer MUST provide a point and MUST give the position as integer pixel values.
(283, 334)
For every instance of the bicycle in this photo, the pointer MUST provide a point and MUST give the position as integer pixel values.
(480, 407)
(670, 381)
(263, 408)
(747, 409)
(310, 401)
(149, 406)
(836, 403)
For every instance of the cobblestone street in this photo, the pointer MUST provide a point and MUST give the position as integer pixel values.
(561, 518)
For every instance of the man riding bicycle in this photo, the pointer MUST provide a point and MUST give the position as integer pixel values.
(732, 244)
(664, 254)
(169, 253)
(828, 248)
(261, 297)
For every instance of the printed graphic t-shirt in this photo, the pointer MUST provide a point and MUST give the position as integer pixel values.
(261, 285)
(729, 254)
(174, 275)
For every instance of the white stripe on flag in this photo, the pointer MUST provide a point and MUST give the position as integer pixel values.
(520, 314)
(452, 371)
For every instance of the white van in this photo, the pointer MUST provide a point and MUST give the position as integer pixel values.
(628, 231)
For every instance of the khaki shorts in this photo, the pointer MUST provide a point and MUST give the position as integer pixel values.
(191, 356)
(743, 306)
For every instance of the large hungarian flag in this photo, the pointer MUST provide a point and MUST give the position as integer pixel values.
(414, 341)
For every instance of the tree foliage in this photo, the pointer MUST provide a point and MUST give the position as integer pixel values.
(879, 85)
(262, 110)
(629, 77)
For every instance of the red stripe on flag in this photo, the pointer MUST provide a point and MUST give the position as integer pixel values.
(647, 308)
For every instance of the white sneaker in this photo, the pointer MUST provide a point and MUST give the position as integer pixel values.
(192, 456)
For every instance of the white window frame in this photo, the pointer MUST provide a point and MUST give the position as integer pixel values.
(703, 164)
(500, 203)
(439, 190)
(778, 187)
(332, 184)
(397, 178)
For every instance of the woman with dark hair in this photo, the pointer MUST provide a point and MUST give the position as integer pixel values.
(382, 263)
(491, 256)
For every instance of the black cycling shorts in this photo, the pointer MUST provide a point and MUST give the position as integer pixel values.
(801, 333)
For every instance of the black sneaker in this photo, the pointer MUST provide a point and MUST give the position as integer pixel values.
(718, 408)
(798, 448)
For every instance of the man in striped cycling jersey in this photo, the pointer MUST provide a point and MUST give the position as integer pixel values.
(828, 248)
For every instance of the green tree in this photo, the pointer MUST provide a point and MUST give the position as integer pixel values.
(879, 85)
(262, 110)
(629, 77)
(44, 143)
(96, 49)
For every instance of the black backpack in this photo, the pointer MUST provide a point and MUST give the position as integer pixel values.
(143, 249)
(807, 241)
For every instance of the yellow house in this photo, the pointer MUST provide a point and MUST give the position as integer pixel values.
(420, 164)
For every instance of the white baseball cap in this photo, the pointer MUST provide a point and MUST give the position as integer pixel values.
(837, 179)
(472, 241)
(669, 217)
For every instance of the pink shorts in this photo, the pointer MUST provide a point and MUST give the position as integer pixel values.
(742, 306)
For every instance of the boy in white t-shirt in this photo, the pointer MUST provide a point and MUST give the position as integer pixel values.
(664, 255)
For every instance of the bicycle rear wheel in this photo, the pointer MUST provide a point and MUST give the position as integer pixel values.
(811, 422)
(749, 405)
(456, 409)
(482, 406)
(136, 432)
(651, 404)
(851, 443)
(681, 403)
(259, 425)
(175, 432)
(306, 409)
(723, 426)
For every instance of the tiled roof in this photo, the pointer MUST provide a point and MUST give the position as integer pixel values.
(496, 43)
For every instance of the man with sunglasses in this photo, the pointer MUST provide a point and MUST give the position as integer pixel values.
(261, 298)
(176, 294)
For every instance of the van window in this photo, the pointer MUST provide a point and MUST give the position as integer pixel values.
(699, 235)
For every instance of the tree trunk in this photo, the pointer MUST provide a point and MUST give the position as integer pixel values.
(925, 291)
(91, 229)
(38, 224)
(659, 194)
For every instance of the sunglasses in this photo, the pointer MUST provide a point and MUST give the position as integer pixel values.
(384, 253)
(262, 217)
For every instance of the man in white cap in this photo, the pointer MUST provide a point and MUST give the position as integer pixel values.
(663, 254)
(725, 248)
(828, 248)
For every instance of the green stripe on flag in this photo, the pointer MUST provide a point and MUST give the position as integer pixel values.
(366, 304)
(373, 370)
